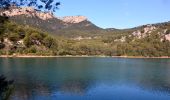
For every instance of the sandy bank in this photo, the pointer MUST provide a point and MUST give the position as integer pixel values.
(36, 56)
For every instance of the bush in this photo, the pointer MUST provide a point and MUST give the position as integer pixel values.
(14, 37)
(32, 49)
(2, 45)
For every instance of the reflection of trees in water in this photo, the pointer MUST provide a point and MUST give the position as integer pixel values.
(28, 90)
(6, 88)
(30, 85)
(147, 74)
(75, 86)
(79, 81)
(154, 85)
(152, 81)
(149, 82)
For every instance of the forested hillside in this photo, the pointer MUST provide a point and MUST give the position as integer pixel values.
(31, 32)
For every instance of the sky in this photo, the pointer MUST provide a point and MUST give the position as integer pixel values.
(117, 13)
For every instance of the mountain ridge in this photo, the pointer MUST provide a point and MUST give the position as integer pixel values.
(31, 12)
(45, 15)
(50, 23)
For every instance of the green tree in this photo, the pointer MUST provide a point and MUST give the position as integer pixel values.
(14, 37)
(49, 41)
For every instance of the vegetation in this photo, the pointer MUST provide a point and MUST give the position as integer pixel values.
(39, 4)
(19, 39)
(141, 47)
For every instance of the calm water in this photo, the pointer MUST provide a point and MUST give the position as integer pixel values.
(88, 78)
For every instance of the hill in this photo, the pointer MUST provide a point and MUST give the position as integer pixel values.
(32, 31)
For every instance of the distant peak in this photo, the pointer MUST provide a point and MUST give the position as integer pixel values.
(73, 19)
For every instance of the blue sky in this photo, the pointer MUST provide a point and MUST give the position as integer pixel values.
(117, 13)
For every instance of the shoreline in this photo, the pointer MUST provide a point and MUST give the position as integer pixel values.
(36, 56)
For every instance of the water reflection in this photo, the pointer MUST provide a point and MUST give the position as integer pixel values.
(75, 86)
(89, 78)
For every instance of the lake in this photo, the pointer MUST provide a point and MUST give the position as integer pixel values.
(88, 78)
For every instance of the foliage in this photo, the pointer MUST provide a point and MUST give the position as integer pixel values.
(21, 40)
(150, 46)
(39, 4)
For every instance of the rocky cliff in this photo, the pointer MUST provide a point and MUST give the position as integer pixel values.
(28, 11)
(74, 19)
(31, 12)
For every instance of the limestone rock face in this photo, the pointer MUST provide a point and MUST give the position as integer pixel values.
(146, 30)
(149, 29)
(29, 11)
(73, 19)
(167, 37)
